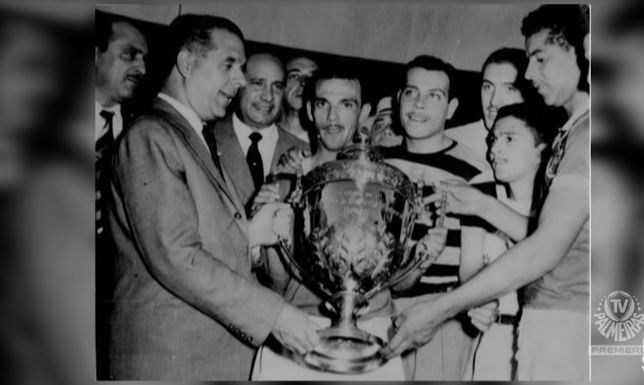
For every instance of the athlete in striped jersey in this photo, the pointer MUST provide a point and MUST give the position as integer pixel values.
(427, 154)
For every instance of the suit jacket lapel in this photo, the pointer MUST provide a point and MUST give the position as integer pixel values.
(233, 159)
(282, 146)
(198, 148)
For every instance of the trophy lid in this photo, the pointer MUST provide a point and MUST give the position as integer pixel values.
(362, 162)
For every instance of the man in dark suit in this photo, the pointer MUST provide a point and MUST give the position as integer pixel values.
(120, 53)
(259, 105)
(186, 304)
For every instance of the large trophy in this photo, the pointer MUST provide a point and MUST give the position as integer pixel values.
(353, 219)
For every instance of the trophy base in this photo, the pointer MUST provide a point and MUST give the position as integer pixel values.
(344, 351)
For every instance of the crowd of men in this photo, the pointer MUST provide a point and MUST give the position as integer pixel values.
(188, 283)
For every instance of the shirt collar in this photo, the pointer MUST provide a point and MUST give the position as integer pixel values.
(243, 130)
(186, 112)
(575, 116)
(116, 109)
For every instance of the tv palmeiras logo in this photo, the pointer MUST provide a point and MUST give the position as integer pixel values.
(619, 316)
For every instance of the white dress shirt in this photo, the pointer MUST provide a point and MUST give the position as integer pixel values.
(304, 136)
(101, 123)
(266, 146)
(188, 113)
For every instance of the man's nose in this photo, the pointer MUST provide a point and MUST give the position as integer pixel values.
(530, 71)
(139, 66)
(267, 93)
(495, 148)
(419, 101)
(238, 78)
(333, 114)
(497, 99)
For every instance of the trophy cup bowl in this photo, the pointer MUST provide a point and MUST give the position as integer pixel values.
(353, 219)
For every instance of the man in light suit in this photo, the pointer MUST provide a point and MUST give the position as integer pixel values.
(186, 304)
(258, 108)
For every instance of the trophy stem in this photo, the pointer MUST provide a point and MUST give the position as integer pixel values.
(348, 303)
(345, 348)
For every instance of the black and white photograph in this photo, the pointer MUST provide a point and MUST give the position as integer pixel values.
(371, 191)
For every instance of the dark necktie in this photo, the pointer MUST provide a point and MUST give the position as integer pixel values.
(254, 159)
(102, 162)
(209, 136)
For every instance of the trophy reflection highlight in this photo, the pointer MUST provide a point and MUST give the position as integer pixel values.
(353, 220)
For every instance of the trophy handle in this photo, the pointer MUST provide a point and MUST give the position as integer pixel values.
(419, 209)
(295, 199)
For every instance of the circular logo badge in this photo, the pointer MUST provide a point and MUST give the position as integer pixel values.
(619, 318)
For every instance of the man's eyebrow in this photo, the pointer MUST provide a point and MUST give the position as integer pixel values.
(380, 119)
(536, 51)
(352, 100)
(506, 131)
(131, 47)
(442, 91)
(288, 72)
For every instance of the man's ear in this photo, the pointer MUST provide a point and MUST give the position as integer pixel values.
(451, 108)
(541, 148)
(364, 114)
(309, 113)
(185, 61)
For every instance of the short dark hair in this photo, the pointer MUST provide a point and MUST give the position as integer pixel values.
(536, 117)
(541, 122)
(328, 73)
(518, 59)
(102, 31)
(194, 33)
(432, 63)
(567, 25)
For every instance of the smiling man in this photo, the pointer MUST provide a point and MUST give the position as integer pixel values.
(249, 140)
(334, 103)
(554, 260)
(335, 109)
(187, 305)
(427, 100)
(503, 84)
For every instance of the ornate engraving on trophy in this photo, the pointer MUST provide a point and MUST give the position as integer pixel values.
(354, 217)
